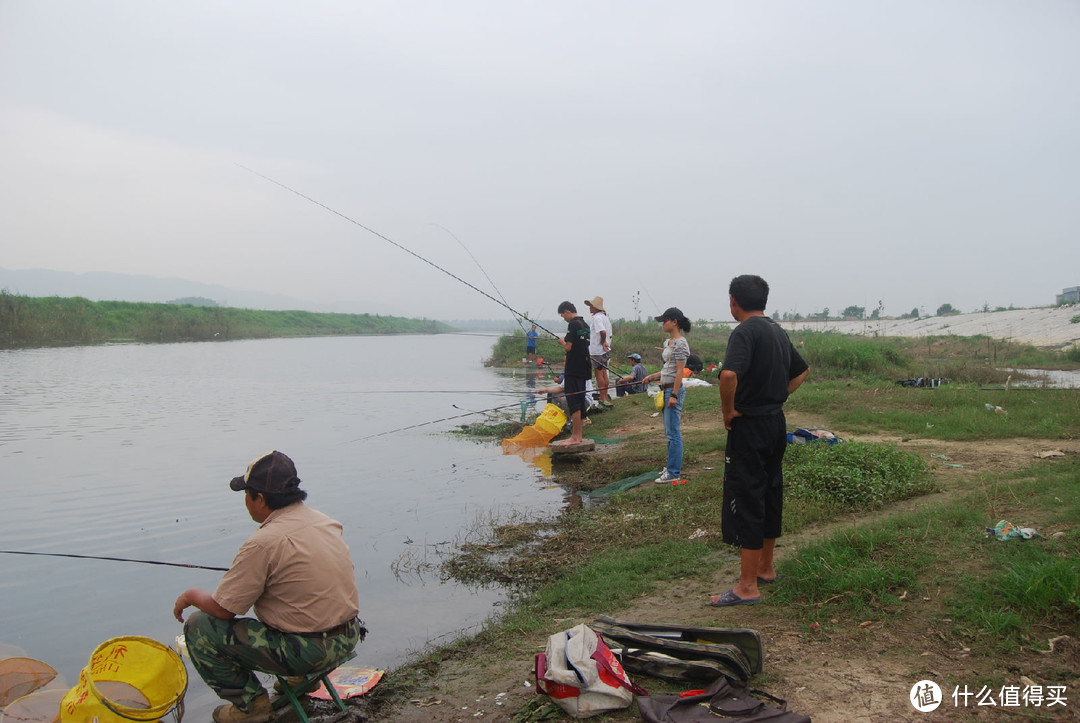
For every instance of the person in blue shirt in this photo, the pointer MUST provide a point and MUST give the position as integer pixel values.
(530, 343)
(632, 384)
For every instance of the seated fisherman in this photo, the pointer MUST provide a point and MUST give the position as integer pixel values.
(296, 572)
(632, 384)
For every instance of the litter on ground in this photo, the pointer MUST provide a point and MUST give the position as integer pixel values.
(1005, 530)
(1047, 453)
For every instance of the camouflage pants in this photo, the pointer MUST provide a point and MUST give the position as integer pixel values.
(226, 653)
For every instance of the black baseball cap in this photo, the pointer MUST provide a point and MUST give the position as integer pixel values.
(273, 472)
(673, 313)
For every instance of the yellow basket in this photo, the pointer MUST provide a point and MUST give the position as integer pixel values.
(127, 679)
(551, 421)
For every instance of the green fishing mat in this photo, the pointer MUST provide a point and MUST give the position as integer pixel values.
(622, 485)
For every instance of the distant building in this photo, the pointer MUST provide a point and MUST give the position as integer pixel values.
(1070, 295)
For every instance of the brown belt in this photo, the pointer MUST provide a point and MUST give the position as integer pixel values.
(667, 386)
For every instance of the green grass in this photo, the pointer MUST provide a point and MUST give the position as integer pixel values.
(611, 578)
(30, 321)
(928, 572)
(629, 337)
(831, 356)
(952, 412)
(999, 593)
(853, 476)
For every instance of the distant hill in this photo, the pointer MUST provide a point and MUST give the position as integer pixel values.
(107, 286)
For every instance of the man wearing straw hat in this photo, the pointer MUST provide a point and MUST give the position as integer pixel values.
(599, 344)
(296, 572)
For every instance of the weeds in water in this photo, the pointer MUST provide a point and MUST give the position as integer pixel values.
(490, 429)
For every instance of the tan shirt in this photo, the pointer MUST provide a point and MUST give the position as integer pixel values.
(295, 571)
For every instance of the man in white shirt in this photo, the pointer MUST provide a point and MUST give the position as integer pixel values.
(599, 344)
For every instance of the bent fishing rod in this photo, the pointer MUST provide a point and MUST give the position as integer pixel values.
(372, 231)
(114, 559)
(517, 317)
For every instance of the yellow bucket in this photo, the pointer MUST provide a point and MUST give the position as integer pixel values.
(128, 679)
(551, 421)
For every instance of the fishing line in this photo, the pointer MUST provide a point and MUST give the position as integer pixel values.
(655, 305)
(448, 419)
(115, 559)
(434, 421)
(506, 393)
(372, 231)
(485, 273)
(394, 243)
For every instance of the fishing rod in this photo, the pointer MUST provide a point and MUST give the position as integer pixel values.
(114, 559)
(506, 393)
(372, 231)
(461, 243)
(434, 421)
(395, 243)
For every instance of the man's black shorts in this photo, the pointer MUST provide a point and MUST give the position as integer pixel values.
(753, 480)
(574, 389)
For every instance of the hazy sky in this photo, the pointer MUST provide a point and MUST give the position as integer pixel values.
(914, 153)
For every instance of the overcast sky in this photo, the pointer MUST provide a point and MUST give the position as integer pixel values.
(911, 153)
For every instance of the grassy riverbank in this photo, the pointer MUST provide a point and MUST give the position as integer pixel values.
(886, 575)
(976, 359)
(53, 321)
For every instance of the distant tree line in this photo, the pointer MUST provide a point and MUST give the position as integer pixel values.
(859, 312)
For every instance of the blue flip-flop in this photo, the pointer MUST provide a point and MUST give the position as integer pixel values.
(763, 581)
(729, 598)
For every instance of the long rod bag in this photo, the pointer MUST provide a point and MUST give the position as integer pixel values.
(738, 649)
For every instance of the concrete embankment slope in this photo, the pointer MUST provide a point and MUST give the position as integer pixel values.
(1044, 327)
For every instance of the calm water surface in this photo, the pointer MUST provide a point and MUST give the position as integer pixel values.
(127, 450)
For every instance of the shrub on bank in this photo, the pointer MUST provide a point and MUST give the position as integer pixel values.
(853, 476)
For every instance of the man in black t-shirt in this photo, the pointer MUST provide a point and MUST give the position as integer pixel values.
(576, 370)
(761, 368)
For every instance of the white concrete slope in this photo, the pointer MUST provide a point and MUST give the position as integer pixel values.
(1043, 327)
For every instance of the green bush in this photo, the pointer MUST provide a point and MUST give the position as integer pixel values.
(853, 475)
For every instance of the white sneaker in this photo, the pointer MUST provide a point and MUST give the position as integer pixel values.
(666, 477)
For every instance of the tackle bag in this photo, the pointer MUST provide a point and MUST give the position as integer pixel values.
(582, 675)
(684, 653)
(727, 699)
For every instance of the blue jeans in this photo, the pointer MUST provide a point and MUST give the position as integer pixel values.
(673, 430)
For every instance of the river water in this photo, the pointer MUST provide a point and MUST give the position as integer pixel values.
(126, 451)
(1058, 378)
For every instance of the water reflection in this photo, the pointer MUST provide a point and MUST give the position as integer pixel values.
(126, 451)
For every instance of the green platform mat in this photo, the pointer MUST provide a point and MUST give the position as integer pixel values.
(623, 484)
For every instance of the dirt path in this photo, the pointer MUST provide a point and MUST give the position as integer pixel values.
(843, 671)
